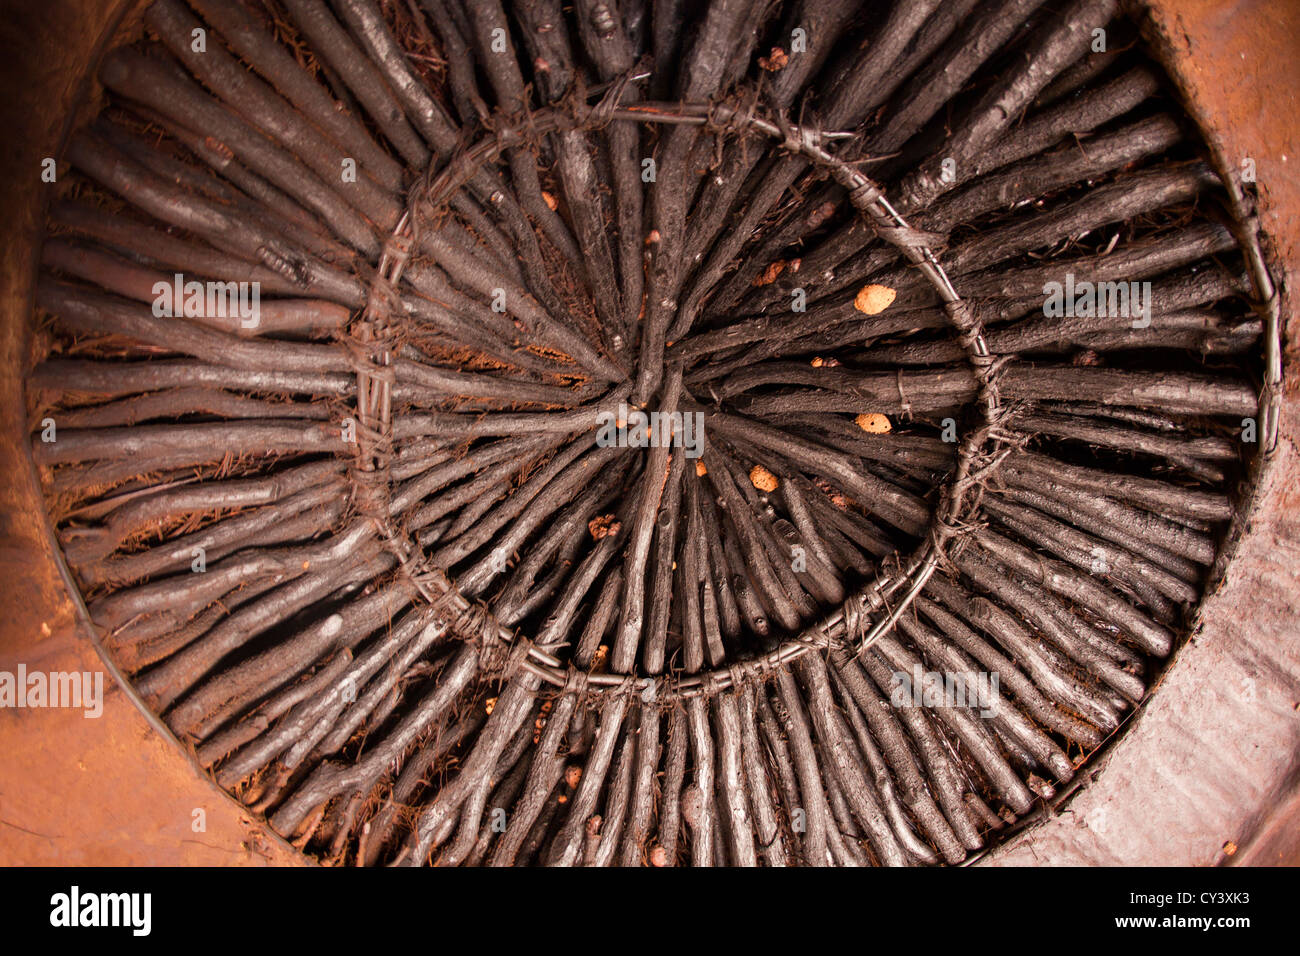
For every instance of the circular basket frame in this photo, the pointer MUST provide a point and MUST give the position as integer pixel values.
(865, 615)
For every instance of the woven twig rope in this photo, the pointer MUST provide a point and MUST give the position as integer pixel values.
(977, 452)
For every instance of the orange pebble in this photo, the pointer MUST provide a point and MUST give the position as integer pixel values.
(873, 423)
(873, 299)
(769, 275)
(762, 479)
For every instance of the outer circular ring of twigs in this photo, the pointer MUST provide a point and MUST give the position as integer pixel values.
(850, 625)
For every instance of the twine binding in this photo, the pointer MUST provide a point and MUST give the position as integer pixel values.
(864, 616)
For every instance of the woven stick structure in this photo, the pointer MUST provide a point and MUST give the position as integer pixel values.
(657, 439)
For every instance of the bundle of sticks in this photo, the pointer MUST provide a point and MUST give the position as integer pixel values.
(398, 560)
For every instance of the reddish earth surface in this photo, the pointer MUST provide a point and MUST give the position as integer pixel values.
(1212, 760)
(112, 790)
(1212, 763)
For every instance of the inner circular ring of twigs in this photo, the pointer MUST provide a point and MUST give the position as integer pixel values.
(865, 615)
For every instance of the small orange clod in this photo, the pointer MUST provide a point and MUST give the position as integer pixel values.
(652, 237)
(572, 774)
(603, 526)
(873, 423)
(489, 704)
(769, 275)
(550, 200)
(837, 499)
(774, 61)
(306, 565)
(598, 659)
(873, 299)
(700, 470)
(561, 799)
(1086, 358)
(762, 479)
(1229, 848)
(658, 856)
(820, 214)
